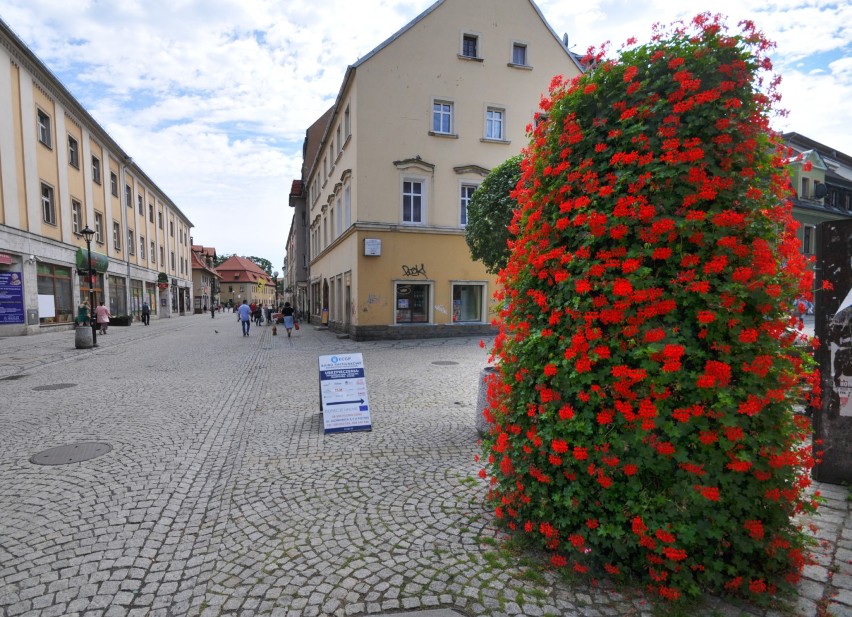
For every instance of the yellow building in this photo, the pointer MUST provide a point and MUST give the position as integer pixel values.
(242, 279)
(60, 172)
(417, 124)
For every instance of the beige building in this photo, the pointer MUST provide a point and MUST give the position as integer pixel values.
(417, 124)
(60, 172)
(205, 279)
(242, 279)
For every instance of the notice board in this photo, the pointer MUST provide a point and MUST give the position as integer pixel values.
(343, 393)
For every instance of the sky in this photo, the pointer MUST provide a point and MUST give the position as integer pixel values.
(211, 98)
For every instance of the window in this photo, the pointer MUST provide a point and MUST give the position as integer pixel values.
(347, 206)
(442, 117)
(467, 302)
(172, 229)
(96, 170)
(151, 212)
(162, 258)
(412, 201)
(99, 228)
(76, 216)
(140, 205)
(412, 303)
(44, 129)
(48, 208)
(806, 193)
(131, 242)
(519, 54)
(494, 120)
(339, 141)
(339, 217)
(142, 247)
(128, 196)
(113, 184)
(347, 126)
(173, 260)
(55, 282)
(469, 45)
(808, 239)
(466, 195)
(160, 220)
(116, 235)
(73, 152)
(153, 253)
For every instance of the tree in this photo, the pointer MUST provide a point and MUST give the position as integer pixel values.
(264, 264)
(489, 214)
(220, 259)
(641, 418)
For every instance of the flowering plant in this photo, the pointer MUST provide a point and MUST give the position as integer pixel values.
(641, 419)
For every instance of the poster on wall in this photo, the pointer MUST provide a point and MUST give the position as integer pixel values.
(343, 393)
(11, 298)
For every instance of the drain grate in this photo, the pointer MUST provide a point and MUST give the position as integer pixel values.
(54, 386)
(72, 453)
(444, 362)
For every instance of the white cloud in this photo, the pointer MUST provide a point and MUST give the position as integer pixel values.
(212, 98)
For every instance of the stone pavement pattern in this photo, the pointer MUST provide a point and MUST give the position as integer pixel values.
(222, 496)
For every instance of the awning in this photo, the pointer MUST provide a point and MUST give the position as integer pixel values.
(100, 262)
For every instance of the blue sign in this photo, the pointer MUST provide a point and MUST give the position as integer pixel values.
(343, 393)
(11, 298)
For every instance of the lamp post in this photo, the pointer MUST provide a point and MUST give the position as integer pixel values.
(275, 281)
(88, 233)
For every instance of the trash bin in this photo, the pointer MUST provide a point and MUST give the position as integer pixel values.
(83, 337)
(482, 399)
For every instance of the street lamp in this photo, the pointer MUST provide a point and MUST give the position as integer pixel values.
(88, 233)
(275, 281)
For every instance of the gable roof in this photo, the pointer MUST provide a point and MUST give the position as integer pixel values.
(242, 270)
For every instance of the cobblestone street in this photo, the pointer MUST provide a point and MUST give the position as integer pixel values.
(220, 495)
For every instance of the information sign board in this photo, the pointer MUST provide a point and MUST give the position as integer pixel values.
(11, 298)
(343, 393)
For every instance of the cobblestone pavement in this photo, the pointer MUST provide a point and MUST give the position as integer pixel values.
(222, 496)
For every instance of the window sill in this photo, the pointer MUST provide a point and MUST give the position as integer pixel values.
(504, 142)
(444, 135)
(470, 58)
(523, 67)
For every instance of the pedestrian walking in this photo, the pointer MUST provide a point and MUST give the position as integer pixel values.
(245, 317)
(103, 316)
(287, 311)
(83, 314)
(146, 314)
(212, 311)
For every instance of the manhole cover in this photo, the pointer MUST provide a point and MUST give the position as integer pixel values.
(54, 386)
(72, 453)
(444, 362)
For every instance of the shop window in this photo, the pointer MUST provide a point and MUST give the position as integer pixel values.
(54, 282)
(412, 303)
(468, 302)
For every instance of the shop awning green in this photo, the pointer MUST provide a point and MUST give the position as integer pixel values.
(100, 262)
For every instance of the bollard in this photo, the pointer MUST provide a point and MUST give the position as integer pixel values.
(83, 337)
(482, 399)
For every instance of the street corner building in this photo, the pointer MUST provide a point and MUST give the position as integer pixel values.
(61, 173)
(377, 248)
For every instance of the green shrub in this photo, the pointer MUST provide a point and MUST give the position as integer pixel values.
(641, 419)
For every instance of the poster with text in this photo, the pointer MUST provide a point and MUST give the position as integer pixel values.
(11, 298)
(343, 393)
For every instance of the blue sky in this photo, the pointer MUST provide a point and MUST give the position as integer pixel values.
(212, 98)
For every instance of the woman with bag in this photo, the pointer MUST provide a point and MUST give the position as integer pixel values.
(287, 311)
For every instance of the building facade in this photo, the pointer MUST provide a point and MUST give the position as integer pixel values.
(242, 279)
(60, 172)
(205, 279)
(417, 124)
(822, 180)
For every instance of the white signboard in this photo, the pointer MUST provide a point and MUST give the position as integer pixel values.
(343, 393)
(372, 246)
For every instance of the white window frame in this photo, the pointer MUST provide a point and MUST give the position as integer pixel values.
(76, 215)
(464, 200)
(808, 239)
(483, 308)
(339, 208)
(519, 45)
(96, 170)
(73, 152)
(113, 183)
(142, 247)
(99, 228)
(347, 205)
(423, 195)
(45, 135)
(347, 123)
(140, 205)
(153, 254)
(116, 235)
(48, 204)
(131, 242)
(495, 117)
(447, 112)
